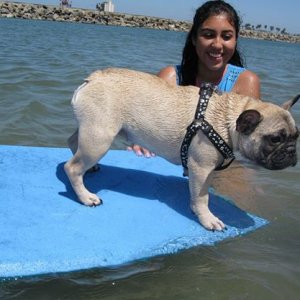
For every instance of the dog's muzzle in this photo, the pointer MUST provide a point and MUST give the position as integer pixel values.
(282, 157)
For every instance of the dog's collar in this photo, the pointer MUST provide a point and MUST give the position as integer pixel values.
(206, 91)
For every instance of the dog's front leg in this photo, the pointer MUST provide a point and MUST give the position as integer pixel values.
(199, 182)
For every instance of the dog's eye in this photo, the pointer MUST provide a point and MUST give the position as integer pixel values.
(275, 139)
(279, 137)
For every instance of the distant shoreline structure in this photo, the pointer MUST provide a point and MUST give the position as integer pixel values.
(66, 14)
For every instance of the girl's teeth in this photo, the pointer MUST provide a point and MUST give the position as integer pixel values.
(215, 55)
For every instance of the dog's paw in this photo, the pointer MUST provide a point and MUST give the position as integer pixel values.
(207, 219)
(91, 200)
(210, 222)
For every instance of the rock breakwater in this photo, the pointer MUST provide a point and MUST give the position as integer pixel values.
(55, 13)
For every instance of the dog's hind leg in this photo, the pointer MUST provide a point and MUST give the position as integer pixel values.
(73, 141)
(73, 145)
(89, 152)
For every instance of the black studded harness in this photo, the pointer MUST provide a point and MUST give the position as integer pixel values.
(206, 91)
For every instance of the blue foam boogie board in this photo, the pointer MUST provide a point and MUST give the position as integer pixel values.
(145, 213)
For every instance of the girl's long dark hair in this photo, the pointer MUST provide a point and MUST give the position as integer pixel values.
(189, 63)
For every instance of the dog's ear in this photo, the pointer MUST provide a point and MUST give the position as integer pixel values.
(248, 121)
(287, 105)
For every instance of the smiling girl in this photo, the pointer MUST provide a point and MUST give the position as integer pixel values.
(211, 55)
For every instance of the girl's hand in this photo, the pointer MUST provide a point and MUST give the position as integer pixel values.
(140, 151)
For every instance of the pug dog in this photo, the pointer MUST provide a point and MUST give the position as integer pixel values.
(152, 113)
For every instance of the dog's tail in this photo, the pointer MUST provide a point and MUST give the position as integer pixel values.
(75, 95)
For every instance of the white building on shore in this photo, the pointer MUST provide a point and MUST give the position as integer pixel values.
(106, 6)
(65, 3)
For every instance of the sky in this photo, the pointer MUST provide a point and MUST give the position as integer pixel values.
(277, 13)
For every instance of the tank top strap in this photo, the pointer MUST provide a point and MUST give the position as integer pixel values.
(230, 78)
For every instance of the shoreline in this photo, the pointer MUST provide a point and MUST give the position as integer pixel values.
(29, 11)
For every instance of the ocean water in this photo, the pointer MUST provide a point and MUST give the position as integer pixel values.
(41, 65)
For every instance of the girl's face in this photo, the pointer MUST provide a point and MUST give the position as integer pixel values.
(215, 42)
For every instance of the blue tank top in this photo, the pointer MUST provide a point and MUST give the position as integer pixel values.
(227, 82)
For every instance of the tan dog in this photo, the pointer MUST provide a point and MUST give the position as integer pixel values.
(155, 115)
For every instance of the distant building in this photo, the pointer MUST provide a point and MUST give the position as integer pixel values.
(65, 3)
(107, 6)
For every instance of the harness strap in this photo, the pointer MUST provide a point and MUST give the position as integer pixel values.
(206, 91)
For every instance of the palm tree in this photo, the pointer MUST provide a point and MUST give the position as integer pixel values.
(283, 31)
(248, 26)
